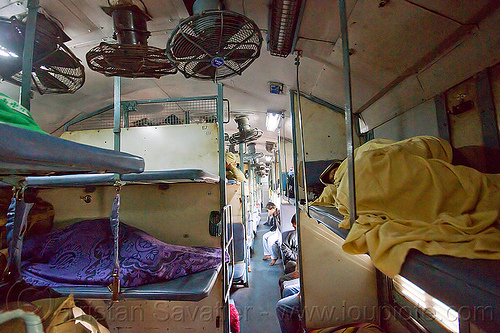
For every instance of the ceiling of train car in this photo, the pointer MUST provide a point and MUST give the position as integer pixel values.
(389, 43)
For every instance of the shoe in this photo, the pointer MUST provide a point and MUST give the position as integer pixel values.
(266, 258)
(272, 262)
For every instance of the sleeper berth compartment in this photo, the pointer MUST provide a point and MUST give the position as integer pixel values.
(71, 189)
(25, 153)
(468, 286)
(172, 203)
(179, 199)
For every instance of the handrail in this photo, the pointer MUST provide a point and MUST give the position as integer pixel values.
(32, 322)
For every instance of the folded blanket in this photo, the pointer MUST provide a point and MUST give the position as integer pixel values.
(12, 113)
(82, 254)
(409, 195)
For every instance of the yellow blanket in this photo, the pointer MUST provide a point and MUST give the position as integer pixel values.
(409, 195)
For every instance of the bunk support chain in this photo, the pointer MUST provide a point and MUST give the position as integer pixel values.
(115, 229)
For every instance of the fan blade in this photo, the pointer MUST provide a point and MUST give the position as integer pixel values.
(205, 69)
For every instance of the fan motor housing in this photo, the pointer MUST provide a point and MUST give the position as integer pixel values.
(130, 25)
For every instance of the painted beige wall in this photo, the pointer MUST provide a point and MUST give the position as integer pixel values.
(178, 214)
(131, 316)
(192, 146)
(337, 287)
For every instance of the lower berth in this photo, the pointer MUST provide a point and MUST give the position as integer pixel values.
(79, 260)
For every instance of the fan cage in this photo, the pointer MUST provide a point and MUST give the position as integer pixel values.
(245, 136)
(55, 68)
(48, 77)
(155, 114)
(226, 37)
(132, 61)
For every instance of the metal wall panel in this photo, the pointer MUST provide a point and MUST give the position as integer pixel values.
(169, 147)
(176, 214)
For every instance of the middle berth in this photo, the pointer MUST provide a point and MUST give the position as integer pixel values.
(77, 258)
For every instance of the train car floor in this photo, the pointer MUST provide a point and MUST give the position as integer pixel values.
(256, 303)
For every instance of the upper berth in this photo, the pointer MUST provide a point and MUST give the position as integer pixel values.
(28, 153)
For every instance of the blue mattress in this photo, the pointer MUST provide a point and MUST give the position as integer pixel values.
(25, 152)
(148, 177)
(472, 285)
(330, 217)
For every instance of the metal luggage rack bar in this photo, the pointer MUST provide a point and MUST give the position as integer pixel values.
(171, 111)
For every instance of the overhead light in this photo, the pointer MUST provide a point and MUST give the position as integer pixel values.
(6, 53)
(284, 21)
(273, 120)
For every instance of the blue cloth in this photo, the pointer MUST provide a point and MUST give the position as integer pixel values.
(291, 288)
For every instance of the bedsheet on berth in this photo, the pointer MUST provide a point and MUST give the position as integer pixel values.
(410, 196)
(82, 254)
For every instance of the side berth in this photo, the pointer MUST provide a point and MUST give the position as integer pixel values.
(469, 286)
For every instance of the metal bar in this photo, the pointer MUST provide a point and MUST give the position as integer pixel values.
(324, 103)
(348, 112)
(296, 188)
(29, 46)
(117, 112)
(280, 172)
(486, 108)
(297, 26)
(181, 99)
(17, 223)
(228, 216)
(87, 116)
(302, 146)
(222, 187)
(442, 117)
(295, 159)
(244, 213)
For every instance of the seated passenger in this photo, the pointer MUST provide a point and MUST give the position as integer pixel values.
(273, 236)
(289, 248)
(288, 310)
(232, 171)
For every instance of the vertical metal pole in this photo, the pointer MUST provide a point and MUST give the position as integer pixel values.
(222, 157)
(296, 185)
(222, 175)
(242, 167)
(280, 172)
(302, 142)
(348, 112)
(117, 112)
(29, 46)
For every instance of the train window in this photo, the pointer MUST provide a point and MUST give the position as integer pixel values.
(429, 310)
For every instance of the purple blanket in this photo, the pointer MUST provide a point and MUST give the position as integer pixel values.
(82, 254)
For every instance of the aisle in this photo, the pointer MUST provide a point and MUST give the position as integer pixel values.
(256, 304)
